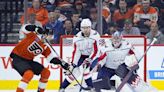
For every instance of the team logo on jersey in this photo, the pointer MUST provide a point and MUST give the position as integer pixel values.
(35, 48)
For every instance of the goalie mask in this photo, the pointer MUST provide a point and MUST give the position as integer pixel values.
(86, 27)
(116, 39)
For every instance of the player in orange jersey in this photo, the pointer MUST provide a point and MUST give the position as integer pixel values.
(24, 53)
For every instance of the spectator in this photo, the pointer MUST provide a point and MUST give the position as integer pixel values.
(122, 13)
(31, 20)
(129, 29)
(112, 6)
(68, 28)
(94, 19)
(130, 3)
(41, 13)
(57, 12)
(64, 3)
(90, 3)
(155, 33)
(60, 16)
(75, 21)
(159, 5)
(138, 5)
(144, 16)
(112, 28)
(106, 11)
(66, 8)
(55, 26)
(78, 6)
(112, 2)
(49, 5)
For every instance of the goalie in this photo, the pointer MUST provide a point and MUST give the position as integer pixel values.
(25, 51)
(85, 51)
(118, 55)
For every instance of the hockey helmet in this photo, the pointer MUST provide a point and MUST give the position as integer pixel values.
(116, 39)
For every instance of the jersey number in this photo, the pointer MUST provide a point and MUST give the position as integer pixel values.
(35, 48)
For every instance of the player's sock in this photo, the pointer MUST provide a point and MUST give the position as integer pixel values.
(89, 82)
(19, 90)
(26, 78)
(65, 84)
(43, 80)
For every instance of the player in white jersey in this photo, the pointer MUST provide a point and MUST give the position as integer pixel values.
(85, 51)
(117, 56)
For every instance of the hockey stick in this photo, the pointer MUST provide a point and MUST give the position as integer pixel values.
(133, 68)
(84, 88)
(82, 78)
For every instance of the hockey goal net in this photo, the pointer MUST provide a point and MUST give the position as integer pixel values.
(138, 42)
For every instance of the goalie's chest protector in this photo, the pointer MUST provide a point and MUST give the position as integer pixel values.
(115, 57)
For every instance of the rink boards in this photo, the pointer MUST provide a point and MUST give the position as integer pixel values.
(9, 78)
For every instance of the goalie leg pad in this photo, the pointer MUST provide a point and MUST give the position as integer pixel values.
(122, 71)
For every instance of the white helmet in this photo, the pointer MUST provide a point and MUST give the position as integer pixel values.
(86, 23)
(86, 27)
(116, 39)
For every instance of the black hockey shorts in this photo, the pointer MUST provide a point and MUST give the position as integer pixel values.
(21, 65)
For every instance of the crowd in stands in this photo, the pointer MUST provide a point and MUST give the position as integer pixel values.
(130, 17)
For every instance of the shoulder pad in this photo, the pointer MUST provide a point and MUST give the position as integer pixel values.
(76, 38)
(128, 44)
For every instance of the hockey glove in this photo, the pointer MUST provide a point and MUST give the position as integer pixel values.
(62, 63)
(70, 70)
(87, 62)
(34, 28)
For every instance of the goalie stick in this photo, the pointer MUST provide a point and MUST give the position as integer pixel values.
(84, 88)
(133, 68)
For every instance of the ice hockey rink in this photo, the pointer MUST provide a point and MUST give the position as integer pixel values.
(57, 91)
(77, 89)
(154, 70)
